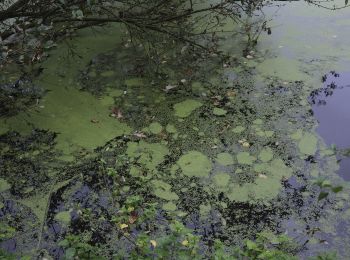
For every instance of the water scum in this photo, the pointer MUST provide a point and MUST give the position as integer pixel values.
(230, 153)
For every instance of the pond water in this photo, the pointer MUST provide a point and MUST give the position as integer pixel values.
(230, 150)
(331, 105)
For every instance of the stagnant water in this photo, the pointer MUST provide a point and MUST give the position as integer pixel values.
(331, 105)
(231, 151)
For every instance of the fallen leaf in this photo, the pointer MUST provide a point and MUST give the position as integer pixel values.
(246, 144)
(184, 243)
(140, 135)
(122, 226)
(169, 87)
(153, 243)
(95, 121)
(263, 176)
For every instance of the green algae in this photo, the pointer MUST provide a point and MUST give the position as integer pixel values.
(185, 108)
(155, 128)
(257, 121)
(171, 129)
(221, 179)
(265, 187)
(204, 210)
(108, 73)
(148, 154)
(134, 82)
(4, 185)
(195, 164)
(219, 111)
(308, 144)
(163, 190)
(65, 109)
(63, 217)
(169, 206)
(224, 159)
(245, 158)
(266, 155)
(238, 129)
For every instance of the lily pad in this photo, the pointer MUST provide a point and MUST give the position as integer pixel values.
(185, 108)
(195, 164)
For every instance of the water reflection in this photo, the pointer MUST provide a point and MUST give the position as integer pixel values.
(331, 107)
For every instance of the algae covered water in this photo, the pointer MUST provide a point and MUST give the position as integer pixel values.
(120, 159)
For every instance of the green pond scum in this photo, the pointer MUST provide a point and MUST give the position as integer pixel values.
(117, 161)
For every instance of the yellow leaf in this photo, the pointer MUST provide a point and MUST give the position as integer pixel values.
(184, 243)
(153, 243)
(122, 226)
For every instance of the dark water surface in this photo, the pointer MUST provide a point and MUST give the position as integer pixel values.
(331, 106)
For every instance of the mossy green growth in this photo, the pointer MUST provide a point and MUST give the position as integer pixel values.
(308, 144)
(224, 159)
(185, 108)
(219, 111)
(4, 185)
(147, 154)
(266, 155)
(221, 179)
(245, 158)
(155, 128)
(257, 121)
(195, 164)
(63, 217)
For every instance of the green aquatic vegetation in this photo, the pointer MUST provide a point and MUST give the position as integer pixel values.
(155, 128)
(245, 158)
(225, 159)
(185, 108)
(169, 206)
(163, 190)
(171, 129)
(134, 82)
(219, 111)
(266, 155)
(308, 144)
(265, 187)
(195, 164)
(221, 179)
(108, 73)
(4, 185)
(238, 129)
(63, 217)
(6, 232)
(148, 154)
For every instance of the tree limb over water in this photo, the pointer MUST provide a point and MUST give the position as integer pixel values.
(37, 24)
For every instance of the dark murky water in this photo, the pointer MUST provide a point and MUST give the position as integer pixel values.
(331, 106)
